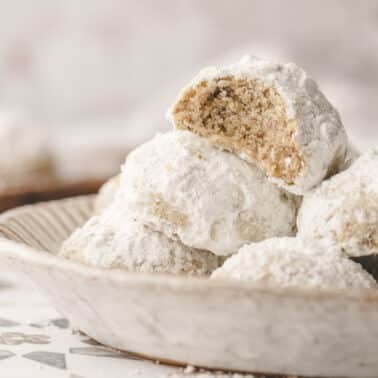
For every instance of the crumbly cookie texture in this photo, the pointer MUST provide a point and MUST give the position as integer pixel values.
(291, 262)
(24, 152)
(179, 184)
(270, 114)
(343, 211)
(106, 194)
(115, 240)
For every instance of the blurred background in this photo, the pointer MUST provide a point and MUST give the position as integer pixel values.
(101, 73)
(98, 76)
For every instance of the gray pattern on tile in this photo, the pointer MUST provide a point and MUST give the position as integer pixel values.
(7, 323)
(100, 352)
(118, 354)
(60, 323)
(37, 325)
(57, 360)
(89, 341)
(5, 284)
(75, 331)
(18, 338)
(4, 354)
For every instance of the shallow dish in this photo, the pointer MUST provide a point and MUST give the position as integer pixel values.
(214, 324)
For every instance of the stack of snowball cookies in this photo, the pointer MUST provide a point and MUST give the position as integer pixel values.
(256, 182)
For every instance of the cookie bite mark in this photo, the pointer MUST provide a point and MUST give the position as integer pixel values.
(270, 114)
(245, 116)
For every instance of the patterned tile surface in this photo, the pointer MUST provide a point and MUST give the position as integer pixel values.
(7, 323)
(36, 342)
(57, 360)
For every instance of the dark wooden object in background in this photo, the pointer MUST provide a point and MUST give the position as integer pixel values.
(46, 191)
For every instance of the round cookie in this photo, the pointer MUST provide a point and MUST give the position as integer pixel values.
(270, 114)
(115, 240)
(343, 211)
(291, 262)
(106, 194)
(181, 185)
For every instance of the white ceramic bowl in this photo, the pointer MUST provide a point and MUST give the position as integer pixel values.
(196, 321)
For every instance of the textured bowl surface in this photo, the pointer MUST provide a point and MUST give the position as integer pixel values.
(214, 324)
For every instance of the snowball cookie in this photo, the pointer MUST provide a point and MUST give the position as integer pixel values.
(106, 194)
(290, 262)
(271, 114)
(343, 211)
(179, 184)
(115, 240)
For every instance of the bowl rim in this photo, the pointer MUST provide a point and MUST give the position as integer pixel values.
(14, 250)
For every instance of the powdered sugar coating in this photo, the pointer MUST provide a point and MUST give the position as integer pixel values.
(106, 194)
(179, 184)
(115, 240)
(343, 211)
(291, 262)
(319, 136)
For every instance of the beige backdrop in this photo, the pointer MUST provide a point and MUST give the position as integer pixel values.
(114, 65)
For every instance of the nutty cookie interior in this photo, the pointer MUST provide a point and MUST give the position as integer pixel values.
(361, 222)
(246, 116)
